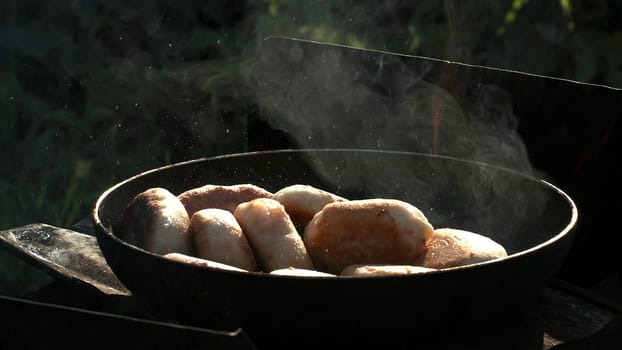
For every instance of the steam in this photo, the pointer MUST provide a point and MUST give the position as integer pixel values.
(332, 97)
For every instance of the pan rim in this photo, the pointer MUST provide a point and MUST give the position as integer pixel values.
(568, 228)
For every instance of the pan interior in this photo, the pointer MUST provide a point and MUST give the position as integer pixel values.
(529, 217)
(516, 210)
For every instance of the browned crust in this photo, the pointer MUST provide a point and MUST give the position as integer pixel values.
(302, 202)
(452, 247)
(154, 217)
(191, 260)
(291, 271)
(375, 231)
(217, 236)
(220, 197)
(383, 270)
(272, 235)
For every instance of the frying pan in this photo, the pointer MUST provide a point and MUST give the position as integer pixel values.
(531, 218)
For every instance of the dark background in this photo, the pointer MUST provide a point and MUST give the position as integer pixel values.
(92, 92)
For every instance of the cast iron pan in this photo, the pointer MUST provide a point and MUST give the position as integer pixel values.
(530, 217)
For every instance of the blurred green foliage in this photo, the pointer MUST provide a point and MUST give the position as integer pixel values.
(95, 91)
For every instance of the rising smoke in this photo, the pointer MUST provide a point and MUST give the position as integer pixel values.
(326, 96)
(335, 97)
